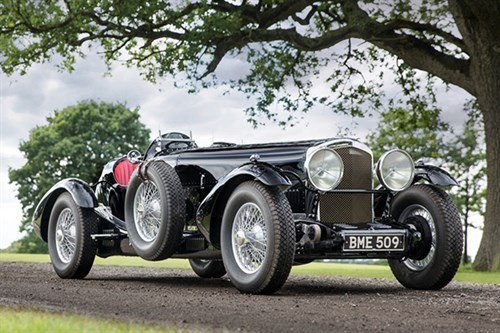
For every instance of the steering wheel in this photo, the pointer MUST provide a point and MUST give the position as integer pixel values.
(134, 156)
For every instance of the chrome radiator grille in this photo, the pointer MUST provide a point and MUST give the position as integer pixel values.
(350, 208)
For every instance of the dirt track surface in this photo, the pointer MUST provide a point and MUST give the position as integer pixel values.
(306, 304)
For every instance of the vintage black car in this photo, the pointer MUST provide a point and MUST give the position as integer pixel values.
(252, 211)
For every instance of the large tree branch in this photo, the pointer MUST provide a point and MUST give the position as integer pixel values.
(426, 27)
(306, 20)
(356, 23)
(415, 52)
(421, 55)
(300, 42)
(463, 17)
(282, 12)
(304, 43)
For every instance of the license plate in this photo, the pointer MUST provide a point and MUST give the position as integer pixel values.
(374, 242)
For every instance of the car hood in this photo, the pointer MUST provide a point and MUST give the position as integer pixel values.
(219, 161)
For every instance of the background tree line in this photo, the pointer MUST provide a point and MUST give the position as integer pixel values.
(75, 142)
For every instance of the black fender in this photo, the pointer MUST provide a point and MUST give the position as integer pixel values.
(79, 190)
(429, 173)
(209, 213)
(433, 175)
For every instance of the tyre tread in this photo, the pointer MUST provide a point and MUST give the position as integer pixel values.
(89, 246)
(284, 231)
(83, 258)
(454, 240)
(214, 269)
(176, 205)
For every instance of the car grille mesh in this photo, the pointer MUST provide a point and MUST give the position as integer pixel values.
(349, 208)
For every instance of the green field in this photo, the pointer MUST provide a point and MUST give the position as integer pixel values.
(465, 274)
(15, 320)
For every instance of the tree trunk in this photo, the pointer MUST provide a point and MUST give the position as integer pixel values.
(488, 255)
(486, 75)
(466, 226)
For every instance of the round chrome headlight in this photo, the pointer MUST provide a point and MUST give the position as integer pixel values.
(395, 170)
(324, 168)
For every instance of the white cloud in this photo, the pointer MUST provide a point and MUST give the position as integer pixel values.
(11, 217)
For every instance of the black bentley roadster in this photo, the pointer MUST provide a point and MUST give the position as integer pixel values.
(252, 211)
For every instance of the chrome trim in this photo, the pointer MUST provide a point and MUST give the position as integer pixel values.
(419, 210)
(381, 161)
(66, 235)
(147, 211)
(249, 238)
(310, 153)
(339, 143)
(336, 144)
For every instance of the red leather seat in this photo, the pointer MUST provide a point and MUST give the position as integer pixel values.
(123, 171)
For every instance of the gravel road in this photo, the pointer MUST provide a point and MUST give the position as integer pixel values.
(305, 304)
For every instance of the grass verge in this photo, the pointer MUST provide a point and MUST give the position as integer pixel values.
(465, 274)
(14, 320)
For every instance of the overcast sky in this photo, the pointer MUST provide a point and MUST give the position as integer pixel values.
(210, 115)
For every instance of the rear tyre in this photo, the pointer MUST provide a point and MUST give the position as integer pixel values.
(436, 268)
(257, 238)
(71, 247)
(155, 211)
(208, 268)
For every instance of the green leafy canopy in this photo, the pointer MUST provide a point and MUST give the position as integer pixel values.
(76, 142)
(287, 45)
(419, 132)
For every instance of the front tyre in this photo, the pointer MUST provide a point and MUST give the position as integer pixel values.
(71, 247)
(155, 211)
(257, 238)
(208, 268)
(437, 267)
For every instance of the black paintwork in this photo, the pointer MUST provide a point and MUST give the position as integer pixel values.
(259, 171)
(80, 191)
(209, 175)
(434, 175)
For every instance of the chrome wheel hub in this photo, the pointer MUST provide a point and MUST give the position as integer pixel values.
(418, 210)
(249, 238)
(240, 238)
(65, 235)
(147, 211)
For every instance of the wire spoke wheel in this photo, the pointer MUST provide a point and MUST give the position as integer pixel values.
(419, 210)
(257, 238)
(147, 211)
(66, 235)
(71, 247)
(155, 211)
(436, 258)
(249, 238)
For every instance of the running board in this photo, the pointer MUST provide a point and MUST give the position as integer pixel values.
(204, 254)
(108, 236)
(105, 213)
